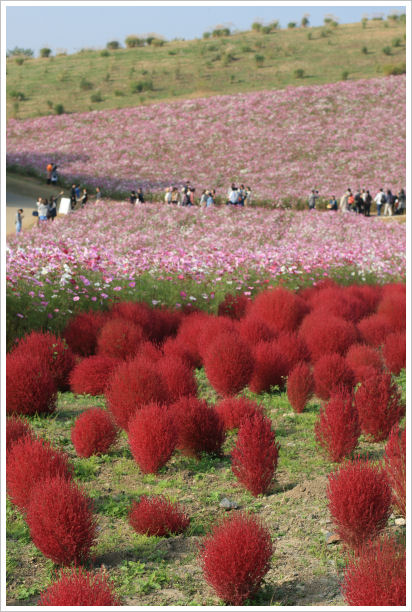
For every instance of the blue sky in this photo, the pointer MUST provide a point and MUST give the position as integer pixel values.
(72, 28)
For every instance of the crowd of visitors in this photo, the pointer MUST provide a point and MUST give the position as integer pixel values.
(360, 202)
(186, 196)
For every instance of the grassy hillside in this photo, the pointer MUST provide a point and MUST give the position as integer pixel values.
(247, 61)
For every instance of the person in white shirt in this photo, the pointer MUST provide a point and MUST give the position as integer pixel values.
(168, 195)
(379, 200)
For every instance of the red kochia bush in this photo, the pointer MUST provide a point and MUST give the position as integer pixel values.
(16, 429)
(359, 501)
(235, 556)
(60, 520)
(394, 351)
(280, 308)
(363, 360)
(212, 328)
(93, 432)
(300, 386)
(78, 587)
(157, 516)
(255, 456)
(188, 335)
(199, 427)
(233, 306)
(119, 339)
(340, 302)
(30, 385)
(152, 437)
(233, 410)
(30, 461)
(378, 576)
(395, 467)
(138, 313)
(374, 329)
(53, 352)
(393, 306)
(228, 364)
(337, 429)
(379, 405)
(165, 324)
(293, 349)
(253, 331)
(177, 376)
(331, 373)
(270, 367)
(176, 348)
(327, 334)
(132, 385)
(81, 332)
(91, 375)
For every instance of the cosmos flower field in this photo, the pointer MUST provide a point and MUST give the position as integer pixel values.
(281, 143)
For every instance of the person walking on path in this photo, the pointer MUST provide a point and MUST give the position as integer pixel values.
(52, 206)
(98, 196)
(343, 204)
(390, 200)
(401, 202)
(210, 198)
(175, 196)
(84, 198)
(312, 199)
(19, 220)
(42, 208)
(248, 196)
(49, 170)
(203, 198)
(380, 200)
(168, 195)
(140, 196)
(367, 201)
(233, 196)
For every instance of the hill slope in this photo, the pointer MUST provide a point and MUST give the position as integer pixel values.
(247, 61)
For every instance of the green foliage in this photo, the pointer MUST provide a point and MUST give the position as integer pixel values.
(304, 22)
(220, 32)
(256, 26)
(96, 97)
(365, 50)
(206, 35)
(17, 95)
(86, 468)
(19, 61)
(104, 53)
(85, 85)
(345, 75)
(291, 25)
(387, 50)
(396, 42)
(20, 51)
(393, 17)
(364, 22)
(309, 36)
(133, 41)
(139, 86)
(45, 52)
(119, 93)
(259, 59)
(394, 69)
(299, 73)
(49, 103)
(113, 44)
(59, 109)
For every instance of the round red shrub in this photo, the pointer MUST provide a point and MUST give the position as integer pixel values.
(300, 386)
(174, 347)
(29, 462)
(235, 556)
(188, 335)
(377, 577)
(253, 331)
(81, 332)
(158, 516)
(199, 427)
(165, 324)
(152, 437)
(327, 334)
(30, 385)
(359, 501)
(228, 364)
(233, 306)
(119, 339)
(292, 348)
(93, 432)
(177, 376)
(15, 429)
(53, 352)
(78, 587)
(393, 306)
(61, 522)
(394, 351)
(90, 376)
(212, 328)
(379, 405)
(337, 429)
(363, 360)
(255, 456)
(233, 411)
(370, 295)
(270, 367)
(281, 309)
(395, 467)
(374, 329)
(132, 385)
(150, 351)
(138, 313)
(331, 374)
(337, 301)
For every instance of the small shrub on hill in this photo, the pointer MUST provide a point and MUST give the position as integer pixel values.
(255, 456)
(394, 352)
(300, 386)
(30, 461)
(16, 429)
(152, 437)
(158, 516)
(228, 364)
(60, 520)
(359, 501)
(378, 576)
(91, 375)
(30, 385)
(337, 429)
(93, 432)
(199, 427)
(79, 587)
(234, 410)
(235, 556)
(379, 405)
(331, 373)
(395, 467)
